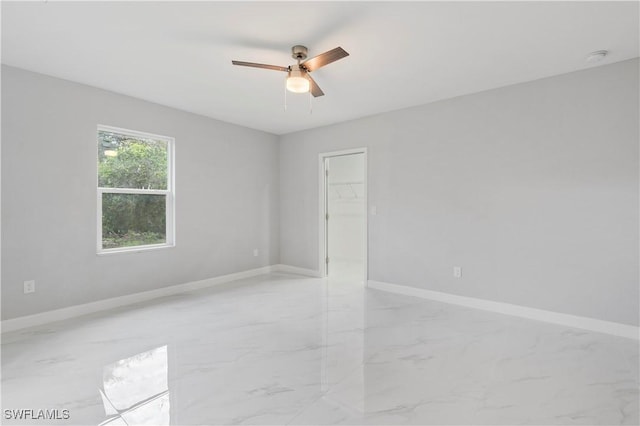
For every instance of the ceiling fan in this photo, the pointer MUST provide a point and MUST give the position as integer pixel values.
(298, 78)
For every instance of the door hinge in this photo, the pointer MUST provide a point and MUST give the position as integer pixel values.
(326, 172)
(326, 216)
(326, 260)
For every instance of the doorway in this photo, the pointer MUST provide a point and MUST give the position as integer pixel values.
(344, 215)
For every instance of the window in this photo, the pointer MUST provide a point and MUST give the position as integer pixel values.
(135, 190)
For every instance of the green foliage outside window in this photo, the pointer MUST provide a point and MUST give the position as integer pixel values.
(134, 163)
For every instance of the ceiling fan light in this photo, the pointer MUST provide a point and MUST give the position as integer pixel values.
(297, 82)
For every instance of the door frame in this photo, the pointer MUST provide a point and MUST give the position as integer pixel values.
(322, 208)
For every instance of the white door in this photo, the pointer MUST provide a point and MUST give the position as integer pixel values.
(345, 216)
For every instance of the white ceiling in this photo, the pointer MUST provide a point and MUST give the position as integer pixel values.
(402, 54)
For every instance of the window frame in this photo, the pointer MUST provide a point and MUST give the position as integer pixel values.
(169, 193)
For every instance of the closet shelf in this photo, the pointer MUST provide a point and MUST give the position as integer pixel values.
(350, 185)
(346, 183)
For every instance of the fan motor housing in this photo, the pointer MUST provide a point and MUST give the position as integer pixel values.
(299, 52)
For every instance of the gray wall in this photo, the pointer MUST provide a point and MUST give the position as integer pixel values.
(531, 188)
(226, 192)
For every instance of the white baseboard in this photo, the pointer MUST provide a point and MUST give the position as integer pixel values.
(295, 270)
(115, 302)
(600, 326)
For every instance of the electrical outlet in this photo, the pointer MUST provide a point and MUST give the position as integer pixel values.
(457, 272)
(255, 252)
(29, 287)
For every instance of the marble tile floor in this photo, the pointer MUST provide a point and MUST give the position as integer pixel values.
(287, 350)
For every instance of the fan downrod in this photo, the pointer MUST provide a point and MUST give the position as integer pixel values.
(299, 53)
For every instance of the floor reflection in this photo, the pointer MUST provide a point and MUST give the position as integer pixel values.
(282, 349)
(136, 390)
(343, 340)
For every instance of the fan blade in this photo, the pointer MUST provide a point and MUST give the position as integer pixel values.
(265, 66)
(324, 59)
(314, 89)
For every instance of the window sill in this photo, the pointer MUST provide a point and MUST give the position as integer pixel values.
(136, 249)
